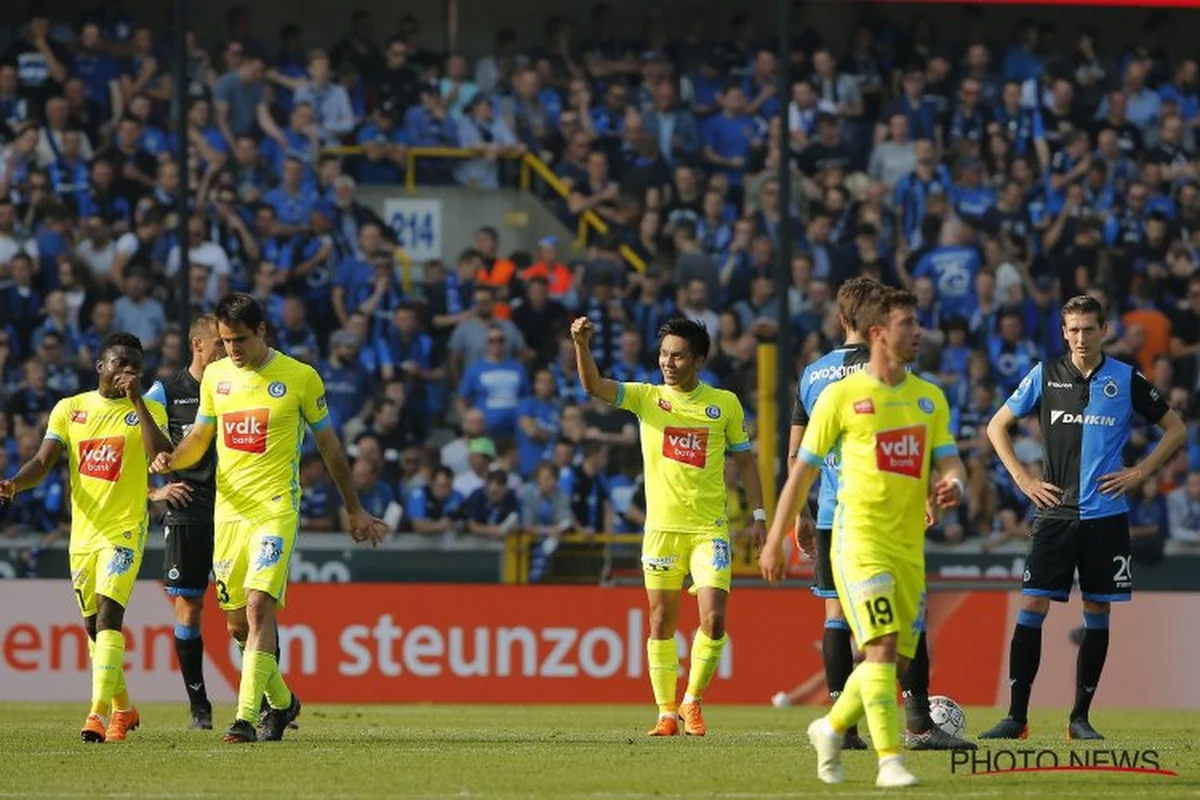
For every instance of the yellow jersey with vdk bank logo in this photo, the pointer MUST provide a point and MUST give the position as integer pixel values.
(260, 415)
(107, 459)
(685, 437)
(889, 436)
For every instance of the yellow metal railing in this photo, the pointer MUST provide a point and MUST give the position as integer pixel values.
(589, 221)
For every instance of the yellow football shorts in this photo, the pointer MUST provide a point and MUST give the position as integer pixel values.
(880, 596)
(253, 555)
(668, 557)
(109, 569)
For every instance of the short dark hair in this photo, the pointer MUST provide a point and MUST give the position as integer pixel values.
(853, 297)
(1083, 304)
(877, 311)
(119, 339)
(201, 325)
(693, 332)
(239, 307)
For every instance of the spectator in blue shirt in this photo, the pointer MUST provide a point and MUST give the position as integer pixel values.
(495, 385)
(376, 496)
(919, 108)
(407, 354)
(329, 101)
(317, 509)
(1022, 63)
(673, 127)
(437, 507)
(353, 272)
(952, 267)
(1010, 353)
(913, 192)
(98, 70)
(731, 137)
(538, 422)
(384, 147)
(480, 128)
(493, 512)
(297, 141)
(291, 199)
(347, 388)
(971, 198)
(430, 125)
(546, 513)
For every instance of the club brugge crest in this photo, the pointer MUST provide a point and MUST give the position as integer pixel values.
(131, 418)
(713, 412)
(926, 405)
(1110, 389)
(277, 389)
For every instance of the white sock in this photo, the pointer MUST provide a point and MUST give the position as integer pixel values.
(898, 758)
(826, 728)
(689, 698)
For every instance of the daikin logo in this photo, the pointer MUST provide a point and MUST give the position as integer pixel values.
(1067, 418)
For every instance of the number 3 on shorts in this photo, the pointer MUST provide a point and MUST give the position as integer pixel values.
(222, 592)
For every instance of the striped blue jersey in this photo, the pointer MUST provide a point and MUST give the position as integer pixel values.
(829, 368)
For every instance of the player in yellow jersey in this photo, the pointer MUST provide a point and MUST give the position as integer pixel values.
(257, 403)
(892, 428)
(687, 429)
(109, 436)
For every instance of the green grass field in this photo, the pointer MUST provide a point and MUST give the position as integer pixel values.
(592, 752)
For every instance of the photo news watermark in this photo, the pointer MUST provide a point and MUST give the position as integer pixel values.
(1026, 760)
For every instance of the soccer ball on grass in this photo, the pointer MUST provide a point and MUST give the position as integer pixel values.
(948, 715)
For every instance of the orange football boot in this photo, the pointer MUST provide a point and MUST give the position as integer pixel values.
(121, 724)
(93, 729)
(666, 726)
(693, 720)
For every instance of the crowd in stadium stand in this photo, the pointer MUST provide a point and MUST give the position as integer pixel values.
(995, 173)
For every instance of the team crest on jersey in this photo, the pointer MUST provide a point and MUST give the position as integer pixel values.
(664, 404)
(101, 458)
(223, 387)
(246, 431)
(79, 416)
(864, 406)
(901, 451)
(686, 446)
(926, 405)
(713, 412)
(270, 550)
(321, 402)
(720, 559)
(121, 561)
(131, 418)
(1110, 389)
(277, 389)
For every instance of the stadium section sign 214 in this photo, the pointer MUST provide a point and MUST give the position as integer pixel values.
(417, 225)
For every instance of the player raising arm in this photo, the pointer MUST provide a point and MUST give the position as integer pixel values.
(687, 428)
(891, 427)
(1085, 404)
(260, 400)
(109, 436)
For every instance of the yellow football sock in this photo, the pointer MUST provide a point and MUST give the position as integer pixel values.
(848, 708)
(256, 673)
(120, 699)
(663, 663)
(278, 694)
(107, 660)
(878, 689)
(706, 657)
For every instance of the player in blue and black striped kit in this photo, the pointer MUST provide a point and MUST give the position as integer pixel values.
(1085, 404)
(851, 357)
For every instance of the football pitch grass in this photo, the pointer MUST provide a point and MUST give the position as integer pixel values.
(567, 752)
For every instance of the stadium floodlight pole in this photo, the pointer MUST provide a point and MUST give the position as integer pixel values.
(180, 80)
(783, 264)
